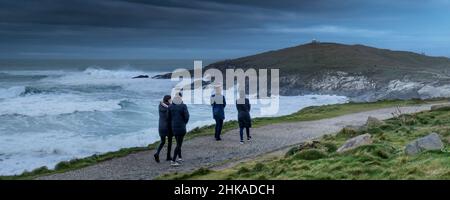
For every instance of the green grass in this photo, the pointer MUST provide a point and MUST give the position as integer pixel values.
(310, 60)
(384, 159)
(76, 163)
(306, 114)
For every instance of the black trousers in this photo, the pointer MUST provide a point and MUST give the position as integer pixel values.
(169, 145)
(218, 129)
(241, 132)
(179, 139)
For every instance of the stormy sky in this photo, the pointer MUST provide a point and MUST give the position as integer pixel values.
(214, 29)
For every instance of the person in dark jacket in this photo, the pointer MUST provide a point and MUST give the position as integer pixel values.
(218, 104)
(165, 129)
(244, 119)
(179, 116)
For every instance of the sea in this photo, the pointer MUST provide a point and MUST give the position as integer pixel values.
(58, 110)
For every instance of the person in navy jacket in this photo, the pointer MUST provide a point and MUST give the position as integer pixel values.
(218, 105)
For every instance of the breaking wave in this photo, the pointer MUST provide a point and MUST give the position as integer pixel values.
(41, 105)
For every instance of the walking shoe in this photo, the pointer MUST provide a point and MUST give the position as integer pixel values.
(249, 137)
(218, 139)
(242, 142)
(156, 158)
(180, 160)
(174, 164)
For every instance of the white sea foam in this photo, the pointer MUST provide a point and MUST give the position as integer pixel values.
(99, 76)
(20, 152)
(42, 104)
(123, 78)
(45, 131)
(11, 92)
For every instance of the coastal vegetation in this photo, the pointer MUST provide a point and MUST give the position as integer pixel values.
(306, 114)
(360, 72)
(385, 158)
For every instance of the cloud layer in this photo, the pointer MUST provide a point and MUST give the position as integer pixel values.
(213, 29)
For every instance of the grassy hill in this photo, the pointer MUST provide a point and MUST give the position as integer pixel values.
(312, 57)
(384, 159)
(358, 71)
(351, 70)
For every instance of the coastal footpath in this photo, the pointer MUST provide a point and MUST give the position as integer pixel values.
(203, 152)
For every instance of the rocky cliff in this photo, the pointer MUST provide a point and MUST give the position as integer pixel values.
(360, 72)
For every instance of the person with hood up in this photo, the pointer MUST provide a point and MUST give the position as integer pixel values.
(179, 116)
(165, 129)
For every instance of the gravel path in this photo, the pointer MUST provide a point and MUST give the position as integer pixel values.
(206, 152)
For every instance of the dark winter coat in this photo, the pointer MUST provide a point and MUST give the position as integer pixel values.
(244, 118)
(179, 116)
(218, 108)
(164, 121)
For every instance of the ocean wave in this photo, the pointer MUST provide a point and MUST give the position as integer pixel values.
(96, 73)
(99, 76)
(17, 91)
(121, 78)
(49, 148)
(42, 105)
(12, 77)
(48, 140)
(100, 73)
(11, 92)
(88, 73)
(30, 90)
(34, 90)
(126, 103)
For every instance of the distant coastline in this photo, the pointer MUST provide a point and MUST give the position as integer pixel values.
(360, 72)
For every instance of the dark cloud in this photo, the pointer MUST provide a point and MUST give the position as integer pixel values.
(177, 28)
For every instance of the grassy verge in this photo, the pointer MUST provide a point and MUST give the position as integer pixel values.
(384, 159)
(306, 114)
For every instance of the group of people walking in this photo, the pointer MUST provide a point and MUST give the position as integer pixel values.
(174, 115)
